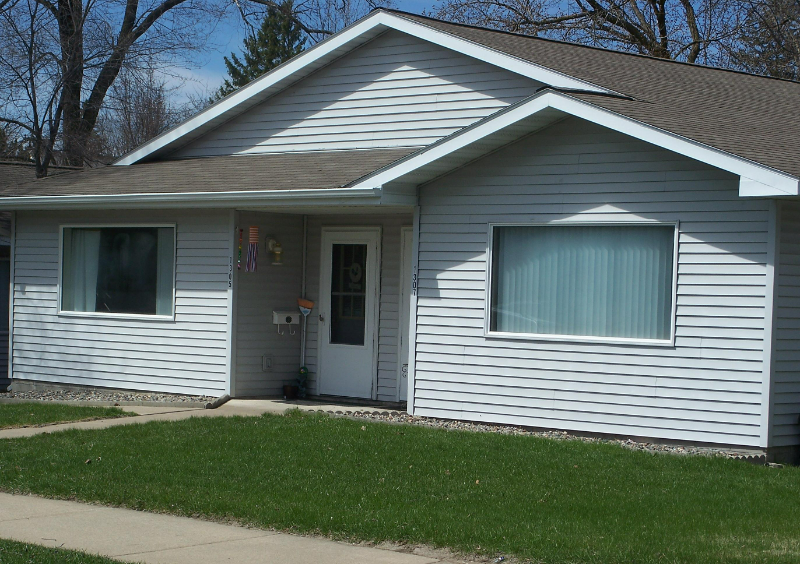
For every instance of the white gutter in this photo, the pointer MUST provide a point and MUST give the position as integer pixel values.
(253, 198)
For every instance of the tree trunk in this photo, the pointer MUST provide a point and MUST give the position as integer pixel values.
(70, 30)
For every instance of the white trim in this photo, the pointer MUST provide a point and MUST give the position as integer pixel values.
(110, 315)
(770, 296)
(324, 296)
(11, 287)
(233, 282)
(404, 317)
(412, 317)
(322, 196)
(365, 29)
(755, 179)
(594, 339)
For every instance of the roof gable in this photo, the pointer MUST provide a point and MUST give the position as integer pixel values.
(395, 91)
(326, 52)
(547, 107)
(739, 116)
(754, 117)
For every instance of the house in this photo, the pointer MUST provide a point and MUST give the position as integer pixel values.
(12, 173)
(492, 227)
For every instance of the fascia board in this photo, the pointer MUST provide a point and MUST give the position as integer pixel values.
(329, 196)
(755, 179)
(377, 19)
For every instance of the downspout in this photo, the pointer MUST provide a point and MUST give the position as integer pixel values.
(11, 286)
(303, 291)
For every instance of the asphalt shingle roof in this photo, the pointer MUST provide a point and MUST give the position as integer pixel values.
(286, 171)
(754, 117)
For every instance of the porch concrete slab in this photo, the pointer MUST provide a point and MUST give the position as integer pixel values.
(136, 536)
(257, 406)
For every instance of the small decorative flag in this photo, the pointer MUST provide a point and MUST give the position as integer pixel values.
(252, 251)
(239, 262)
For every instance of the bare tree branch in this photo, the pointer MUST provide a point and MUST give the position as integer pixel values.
(24, 126)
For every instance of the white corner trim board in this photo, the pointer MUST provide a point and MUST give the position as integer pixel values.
(333, 47)
(755, 179)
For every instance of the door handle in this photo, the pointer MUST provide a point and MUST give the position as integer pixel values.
(321, 318)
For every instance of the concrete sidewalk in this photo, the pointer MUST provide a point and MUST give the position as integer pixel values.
(136, 536)
(243, 407)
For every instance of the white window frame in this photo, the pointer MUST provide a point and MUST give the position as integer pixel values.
(487, 314)
(108, 315)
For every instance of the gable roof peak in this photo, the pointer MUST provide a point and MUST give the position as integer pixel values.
(327, 51)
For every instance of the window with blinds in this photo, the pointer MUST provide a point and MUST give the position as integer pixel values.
(612, 281)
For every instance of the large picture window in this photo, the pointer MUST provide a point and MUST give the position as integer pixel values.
(612, 282)
(123, 270)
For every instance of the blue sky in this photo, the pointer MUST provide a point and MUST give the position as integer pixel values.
(228, 38)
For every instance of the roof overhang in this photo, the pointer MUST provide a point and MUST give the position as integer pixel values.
(250, 199)
(545, 108)
(326, 52)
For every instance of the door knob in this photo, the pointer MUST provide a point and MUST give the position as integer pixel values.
(321, 318)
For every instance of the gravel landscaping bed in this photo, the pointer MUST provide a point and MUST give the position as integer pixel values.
(105, 396)
(404, 418)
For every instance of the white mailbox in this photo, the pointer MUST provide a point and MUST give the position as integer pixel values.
(286, 317)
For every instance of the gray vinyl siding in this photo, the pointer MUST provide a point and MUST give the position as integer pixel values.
(396, 91)
(187, 355)
(4, 381)
(4, 295)
(260, 293)
(786, 354)
(388, 323)
(707, 388)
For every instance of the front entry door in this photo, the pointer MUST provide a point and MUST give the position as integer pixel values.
(348, 321)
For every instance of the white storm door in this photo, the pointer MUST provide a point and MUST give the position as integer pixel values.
(407, 256)
(348, 321)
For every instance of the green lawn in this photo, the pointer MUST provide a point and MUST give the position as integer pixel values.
(549, 501)
(22, 553)
(31, 414)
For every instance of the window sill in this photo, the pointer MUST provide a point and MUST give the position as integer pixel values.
(580, 340)
(120, 316)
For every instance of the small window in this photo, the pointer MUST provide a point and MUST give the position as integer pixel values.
(123, 270)
(611, 282)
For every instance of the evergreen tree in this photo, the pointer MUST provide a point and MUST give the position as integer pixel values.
(279, 39)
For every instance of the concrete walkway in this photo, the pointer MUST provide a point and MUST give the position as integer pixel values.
(136, 536)
(244, 407)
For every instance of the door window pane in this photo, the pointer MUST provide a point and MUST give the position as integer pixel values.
(118, 270)
(348, 294)
(603, 281)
